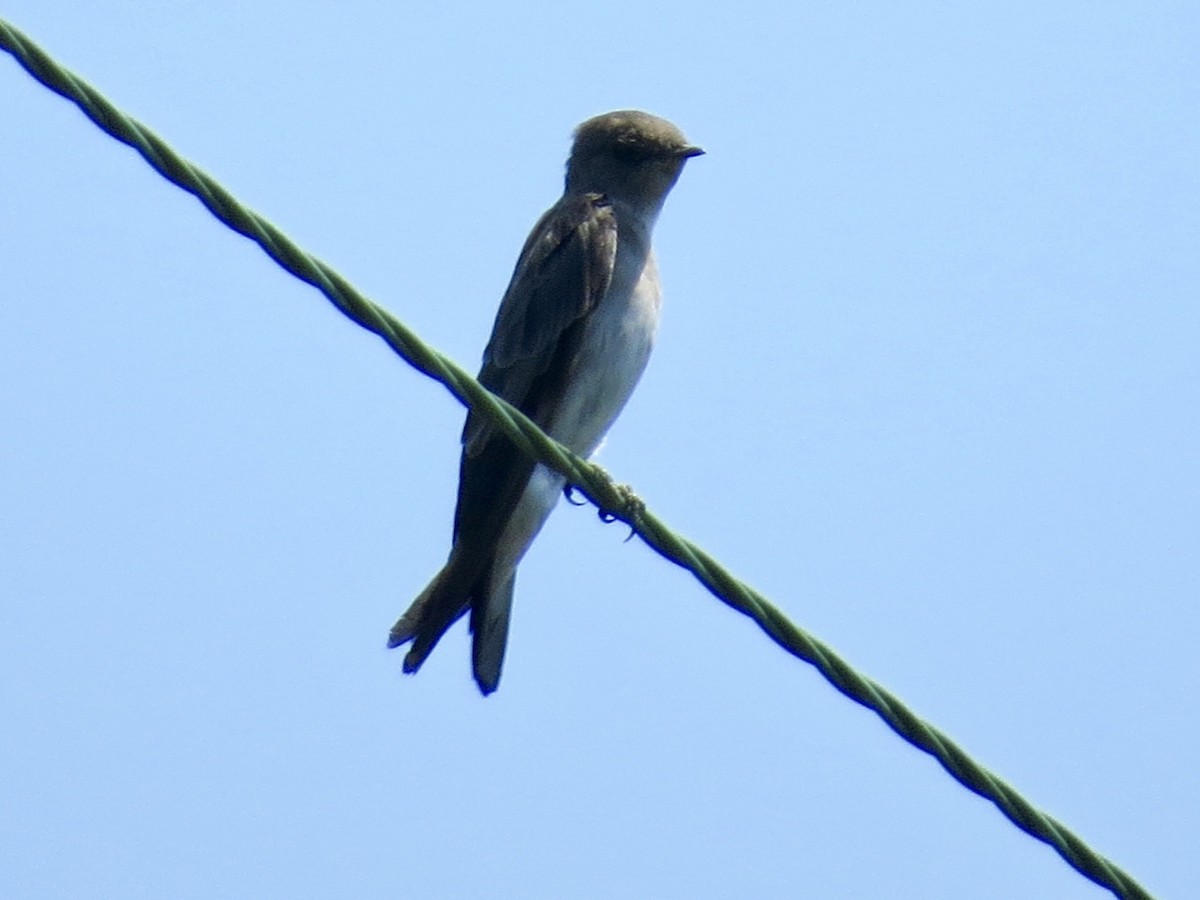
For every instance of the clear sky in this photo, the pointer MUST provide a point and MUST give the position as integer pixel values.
(927, 377)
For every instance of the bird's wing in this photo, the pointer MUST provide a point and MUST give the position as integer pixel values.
(564, 270)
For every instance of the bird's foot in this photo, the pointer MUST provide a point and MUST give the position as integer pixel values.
(629, 507)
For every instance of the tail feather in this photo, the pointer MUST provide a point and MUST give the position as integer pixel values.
(443, 602)
(490, 613)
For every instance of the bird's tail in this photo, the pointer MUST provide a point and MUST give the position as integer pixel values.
(445, 600)
(489, 627)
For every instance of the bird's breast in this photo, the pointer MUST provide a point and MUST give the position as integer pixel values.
(614, 348)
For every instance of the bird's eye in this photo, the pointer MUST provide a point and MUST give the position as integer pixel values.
(629, 149)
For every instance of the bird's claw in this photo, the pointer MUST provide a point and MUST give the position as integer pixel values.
(629, 509)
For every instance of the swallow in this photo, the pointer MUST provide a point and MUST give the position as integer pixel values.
(570, 341)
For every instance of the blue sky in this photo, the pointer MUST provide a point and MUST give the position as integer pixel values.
(927, 378)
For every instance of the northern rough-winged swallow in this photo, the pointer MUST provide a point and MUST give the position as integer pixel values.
(571, 339)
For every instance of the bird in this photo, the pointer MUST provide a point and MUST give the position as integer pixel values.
(570, 341)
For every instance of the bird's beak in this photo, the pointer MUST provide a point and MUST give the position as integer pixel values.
(689, 152)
